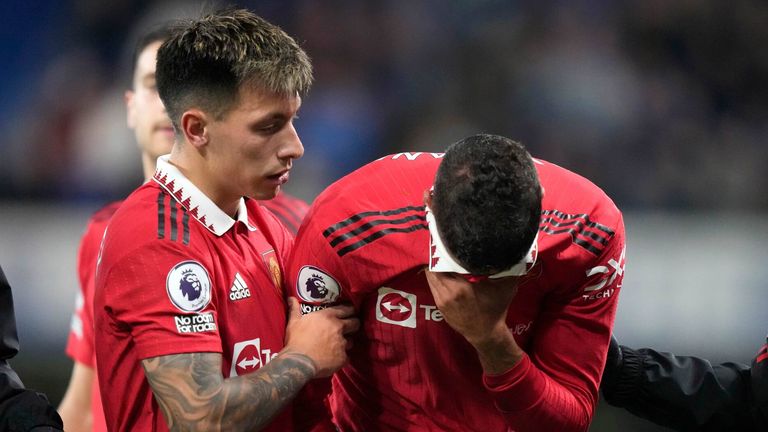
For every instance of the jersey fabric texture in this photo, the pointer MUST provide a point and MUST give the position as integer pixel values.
(80, 340)
(177, 275)
(289, 209)
(365, 240)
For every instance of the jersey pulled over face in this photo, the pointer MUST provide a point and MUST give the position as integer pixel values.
(366, 241)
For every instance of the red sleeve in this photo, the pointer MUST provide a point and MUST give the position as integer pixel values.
(149, 293)
(555, 386)
(313, 258)
(80, 339)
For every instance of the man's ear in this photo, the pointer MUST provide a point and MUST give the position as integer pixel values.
(194, 126)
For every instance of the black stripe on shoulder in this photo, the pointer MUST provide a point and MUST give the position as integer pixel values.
(377, 235)
(581, 242)
(161, 214)
(579, 226)
(368, 225)
(185, 225)
(349, 221)
(172, 220)
(589, 223)
(406, 219)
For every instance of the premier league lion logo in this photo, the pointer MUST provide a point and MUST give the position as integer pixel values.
(190, 285)
(316, 286)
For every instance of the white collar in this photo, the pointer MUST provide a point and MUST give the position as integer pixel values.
(441, 261)
(195, 201)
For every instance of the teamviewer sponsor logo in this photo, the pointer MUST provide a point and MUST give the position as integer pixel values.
(396, 307)
(248, 356)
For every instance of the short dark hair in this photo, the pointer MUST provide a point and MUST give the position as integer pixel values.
(158, 33)
(487, 202)
(206, 61)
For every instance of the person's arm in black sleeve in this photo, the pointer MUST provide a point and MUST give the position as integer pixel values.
(683, 393)
(760, 388)
(20, 409)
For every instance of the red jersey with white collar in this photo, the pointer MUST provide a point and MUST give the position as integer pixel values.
(365, 240)
(178, 275)
(80, 341)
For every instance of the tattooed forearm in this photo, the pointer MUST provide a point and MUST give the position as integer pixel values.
(193, 395)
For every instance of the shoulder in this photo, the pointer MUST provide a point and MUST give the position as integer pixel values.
(390, 183)
(580, 226)
(98, 222)
(105, 213)
(288, 209)
(573, 196)
(149, 214)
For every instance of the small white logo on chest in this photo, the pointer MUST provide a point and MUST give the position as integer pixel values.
(239, 289)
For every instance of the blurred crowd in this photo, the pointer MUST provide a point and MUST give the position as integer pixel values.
(663, 104)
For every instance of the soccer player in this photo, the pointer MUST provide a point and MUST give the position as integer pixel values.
(688, 393)
(189, 307)
(81, 406)
(486, 282)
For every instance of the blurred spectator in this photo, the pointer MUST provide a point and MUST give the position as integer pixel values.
(671, 93)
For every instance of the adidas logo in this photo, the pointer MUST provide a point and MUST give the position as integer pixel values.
(239, 289)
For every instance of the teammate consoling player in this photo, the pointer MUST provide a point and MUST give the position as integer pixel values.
(486, 282)
(81, 406)
(189, 307)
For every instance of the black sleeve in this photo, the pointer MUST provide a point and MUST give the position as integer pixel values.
(683, 393)
(760, 387)
(20, 409)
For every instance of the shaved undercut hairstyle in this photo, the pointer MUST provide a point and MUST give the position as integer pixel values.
(487, 202)
(205, 63)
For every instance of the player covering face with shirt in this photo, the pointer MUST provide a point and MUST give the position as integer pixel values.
(486, 282)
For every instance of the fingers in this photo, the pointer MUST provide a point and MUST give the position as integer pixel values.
(294, 311)
(341, 311)
(350, 325)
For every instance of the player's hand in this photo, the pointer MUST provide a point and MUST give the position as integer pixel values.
(476, 310)
(321, 335)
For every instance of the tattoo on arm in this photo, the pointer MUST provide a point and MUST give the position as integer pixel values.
(193, 394)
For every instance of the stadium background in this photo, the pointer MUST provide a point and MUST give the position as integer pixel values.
(662, 104)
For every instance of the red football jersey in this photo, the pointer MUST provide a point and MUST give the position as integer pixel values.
(365, 240)
(80, 340)
(289, 209)
(178, 275)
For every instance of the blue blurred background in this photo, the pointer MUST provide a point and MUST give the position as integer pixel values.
(662, 104)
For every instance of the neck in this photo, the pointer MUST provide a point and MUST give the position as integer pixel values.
(196, 171)
(148, 164)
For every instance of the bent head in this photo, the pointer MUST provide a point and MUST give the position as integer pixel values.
(487, 203)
